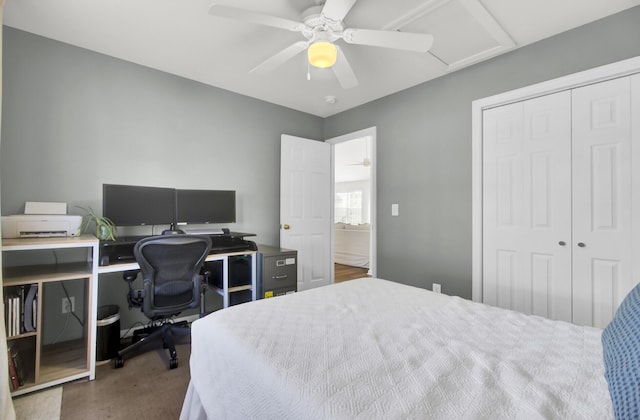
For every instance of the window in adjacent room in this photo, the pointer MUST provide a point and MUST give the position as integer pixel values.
(348, 207)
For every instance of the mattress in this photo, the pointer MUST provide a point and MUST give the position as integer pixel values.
(375, 349)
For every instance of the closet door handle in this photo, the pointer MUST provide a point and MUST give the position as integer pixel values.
(581, 244)
(562, 243)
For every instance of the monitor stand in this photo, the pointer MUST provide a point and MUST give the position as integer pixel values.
(172, 231)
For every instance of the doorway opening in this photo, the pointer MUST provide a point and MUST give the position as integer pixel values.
(353, 161)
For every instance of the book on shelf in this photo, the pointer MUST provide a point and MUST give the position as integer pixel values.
(30, 305)
(21, 296)
(21, 309)
(14, 382)
(16, 358)
(16, 367)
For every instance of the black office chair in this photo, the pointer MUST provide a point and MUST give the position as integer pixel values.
(172, 282)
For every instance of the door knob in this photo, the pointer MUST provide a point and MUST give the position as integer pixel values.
(285, 227)
(562, 243)
(581, 244)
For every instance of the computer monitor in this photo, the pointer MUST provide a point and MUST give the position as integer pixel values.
(130, 205)
(205, 206)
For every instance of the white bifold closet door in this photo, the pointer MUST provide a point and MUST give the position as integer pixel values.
(557, 178)
(527, 207)
(602, 240)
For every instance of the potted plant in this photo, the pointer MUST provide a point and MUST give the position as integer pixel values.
(105, 228)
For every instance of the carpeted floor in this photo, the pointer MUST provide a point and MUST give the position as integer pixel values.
(41, 405)
(144, 388)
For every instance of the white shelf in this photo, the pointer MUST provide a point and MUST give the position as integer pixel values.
(49, 365)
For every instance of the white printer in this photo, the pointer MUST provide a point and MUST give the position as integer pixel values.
(40, 225)
(41, 220)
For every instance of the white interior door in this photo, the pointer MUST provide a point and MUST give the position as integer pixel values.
(602, 230)
(305, 208)
(527, 206)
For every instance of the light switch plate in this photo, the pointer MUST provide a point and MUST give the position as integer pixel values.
(394, 209)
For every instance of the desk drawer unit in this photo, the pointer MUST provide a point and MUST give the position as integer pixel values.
(277, 271)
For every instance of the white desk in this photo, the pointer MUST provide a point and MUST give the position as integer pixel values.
(45, 366)
(225, 291)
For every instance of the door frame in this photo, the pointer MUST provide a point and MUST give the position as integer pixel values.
(373, 254)
(595, 75)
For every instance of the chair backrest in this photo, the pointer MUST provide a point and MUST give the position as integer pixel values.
(170, 267)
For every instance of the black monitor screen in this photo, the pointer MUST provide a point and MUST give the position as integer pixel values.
(205, 206)
(128, 205)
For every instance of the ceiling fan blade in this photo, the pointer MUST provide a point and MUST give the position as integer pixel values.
(389, 39)
(343, 71)
(253, 17)
(280, 58)
(336, 10)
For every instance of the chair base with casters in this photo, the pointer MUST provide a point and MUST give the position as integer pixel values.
(165, 331)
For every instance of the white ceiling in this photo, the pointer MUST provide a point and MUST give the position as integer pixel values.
(180, 37)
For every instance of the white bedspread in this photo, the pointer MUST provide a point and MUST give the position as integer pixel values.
(374, 349)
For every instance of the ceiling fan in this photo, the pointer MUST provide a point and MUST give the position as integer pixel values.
(321, 26)
(364, 162)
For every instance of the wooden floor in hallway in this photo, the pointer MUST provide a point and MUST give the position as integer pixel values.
(347, 272)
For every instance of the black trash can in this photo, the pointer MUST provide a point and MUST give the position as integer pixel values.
(108, 341)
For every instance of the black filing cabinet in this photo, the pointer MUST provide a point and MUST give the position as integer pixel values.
(277, 271)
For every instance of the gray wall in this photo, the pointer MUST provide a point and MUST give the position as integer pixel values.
(74, 119)
(424, 148)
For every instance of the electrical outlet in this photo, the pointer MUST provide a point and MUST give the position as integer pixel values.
(437, 288)
(68, 305)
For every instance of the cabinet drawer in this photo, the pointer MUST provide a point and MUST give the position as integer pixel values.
(276, 273)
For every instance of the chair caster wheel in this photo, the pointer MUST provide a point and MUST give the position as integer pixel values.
(119, 362)
(173, 363)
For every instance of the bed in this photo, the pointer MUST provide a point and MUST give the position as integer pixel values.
(375, 349)
(351, 244)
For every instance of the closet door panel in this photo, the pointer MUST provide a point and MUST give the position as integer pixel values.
(526, 206)
(502, 213)
(601, 193)
(635, 179)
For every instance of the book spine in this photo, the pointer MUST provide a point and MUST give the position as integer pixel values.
(22, 297)
(13, 374)
(16, 315)
(10, 316)
(29, 308)
(6, 315)
(35, 312)
(19, 366)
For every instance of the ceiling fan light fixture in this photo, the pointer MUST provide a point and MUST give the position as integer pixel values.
(322, 54)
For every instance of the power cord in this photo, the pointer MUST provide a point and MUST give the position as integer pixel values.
(72, 312)
(132, 327)
(69, 303)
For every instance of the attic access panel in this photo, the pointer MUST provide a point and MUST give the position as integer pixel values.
(464, 31)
